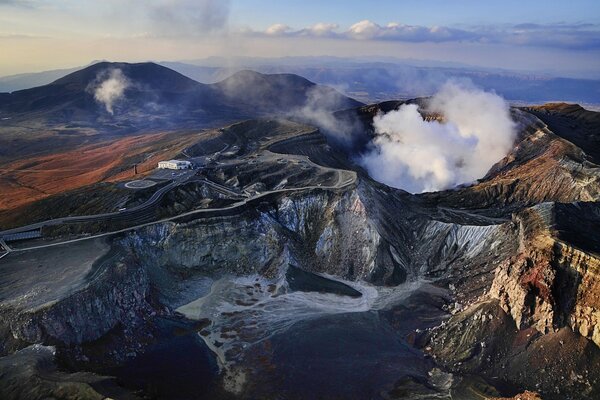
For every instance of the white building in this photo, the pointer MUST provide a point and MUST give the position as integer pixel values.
(174, 164)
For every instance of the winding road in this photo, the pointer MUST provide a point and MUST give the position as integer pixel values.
(7, 249)
(339, 185)
(156, 196)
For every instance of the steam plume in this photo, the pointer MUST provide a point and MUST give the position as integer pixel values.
(416, 155)
(109, 88)
(319, 110)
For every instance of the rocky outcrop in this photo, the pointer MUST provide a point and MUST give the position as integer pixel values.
(448, 246)
(543, 298)
(118, 297)
(523, 282)
(549, 283)
(321, 232)
(483, 340)
(585, 314)
(526, 395)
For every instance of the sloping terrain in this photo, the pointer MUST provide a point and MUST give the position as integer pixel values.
(541, 167)
(308, 274)
(116, 99)
(574, 123)
(35, 178)
(368, 80)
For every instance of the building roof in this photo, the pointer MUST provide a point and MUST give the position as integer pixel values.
(176, 161)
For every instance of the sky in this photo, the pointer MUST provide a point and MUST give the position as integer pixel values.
(559, 37)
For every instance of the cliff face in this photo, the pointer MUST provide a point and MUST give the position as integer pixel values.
(536, 302)
(518, 252)
(549, 283)
(542, 306)
(336, 233)
(320, 232)
(117, 296)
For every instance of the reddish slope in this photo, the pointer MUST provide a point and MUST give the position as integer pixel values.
(27, 180)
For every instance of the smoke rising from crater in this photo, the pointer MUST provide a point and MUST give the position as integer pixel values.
(319, 109)
(422, 156)
(109, 87)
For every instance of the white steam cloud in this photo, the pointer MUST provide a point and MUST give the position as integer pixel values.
(109, 87)
(318, 110)
(416, 155)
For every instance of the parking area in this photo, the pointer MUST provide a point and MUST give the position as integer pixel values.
(140, 184)
(171, 174)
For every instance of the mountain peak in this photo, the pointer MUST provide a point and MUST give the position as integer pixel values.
(249, 77)
(148, 95)
(147, 73)
(288, 90)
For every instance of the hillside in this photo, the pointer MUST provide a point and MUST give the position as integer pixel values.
(277, 247)
(35, 178)
(372, 80)
(574, 123)
(115, 99)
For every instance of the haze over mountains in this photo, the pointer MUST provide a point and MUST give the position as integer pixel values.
(122, 98)
(372, 80)
(292, 200)
(151, 85)
(284, 247)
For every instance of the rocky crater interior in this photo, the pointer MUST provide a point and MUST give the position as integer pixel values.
(325, 277)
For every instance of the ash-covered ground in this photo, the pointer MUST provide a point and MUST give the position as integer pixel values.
(279, 269)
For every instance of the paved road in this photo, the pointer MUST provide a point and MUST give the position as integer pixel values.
(121, 214)
(7, 249)
(223, 189)
(239, 204)
(156, 196)
(162, 191)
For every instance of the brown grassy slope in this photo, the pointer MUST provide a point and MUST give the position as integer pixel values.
(27, 180)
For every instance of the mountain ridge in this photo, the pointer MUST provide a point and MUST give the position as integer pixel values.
(153, 77)
(143, 98)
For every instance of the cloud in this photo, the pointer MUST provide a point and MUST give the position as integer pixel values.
(318, 110)
(364, 29)
(17, 3)
(278, 30)
(109, 87)
(20, 36)
(368, 30)
(321, 29)
(419, 155)
(560, 35)
(188, 16)
(168, 18)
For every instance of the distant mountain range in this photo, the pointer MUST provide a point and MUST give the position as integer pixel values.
(114, 99)
(372, 80)
(150, 95)
(13, 83)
